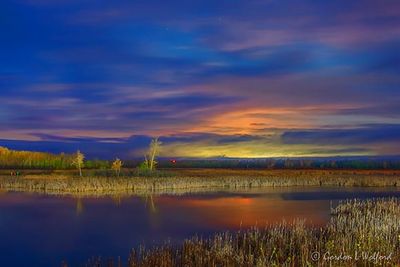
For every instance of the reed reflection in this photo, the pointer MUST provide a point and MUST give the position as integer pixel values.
(48, 229)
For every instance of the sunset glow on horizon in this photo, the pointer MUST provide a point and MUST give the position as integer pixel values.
(210, 78)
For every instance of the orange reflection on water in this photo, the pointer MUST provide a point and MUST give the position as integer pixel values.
(235, 212)
(220, 202)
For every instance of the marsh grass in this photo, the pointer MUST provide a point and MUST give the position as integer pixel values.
(357, 231)
(180, 181)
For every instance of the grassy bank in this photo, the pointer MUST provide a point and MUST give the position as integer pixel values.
(181, 181)
(360, 233)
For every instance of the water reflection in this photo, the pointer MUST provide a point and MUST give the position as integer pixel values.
(117, 199)
(148, 200)
(233, 212)
(39, 230)
(79, 206)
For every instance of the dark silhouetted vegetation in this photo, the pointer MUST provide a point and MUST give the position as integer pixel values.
(361, 163)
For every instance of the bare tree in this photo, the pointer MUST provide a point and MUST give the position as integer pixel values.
(150, 157)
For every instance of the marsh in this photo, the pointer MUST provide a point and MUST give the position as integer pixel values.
(44, 230)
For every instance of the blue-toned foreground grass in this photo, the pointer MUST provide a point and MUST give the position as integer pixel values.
(360, 233)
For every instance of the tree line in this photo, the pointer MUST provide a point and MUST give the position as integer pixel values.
(15, 159)
(362, 163)
(12, 159)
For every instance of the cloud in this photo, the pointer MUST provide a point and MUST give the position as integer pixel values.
(368, 140)
(364, 135)
(240, 73)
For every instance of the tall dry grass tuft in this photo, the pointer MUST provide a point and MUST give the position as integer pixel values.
(379, 230)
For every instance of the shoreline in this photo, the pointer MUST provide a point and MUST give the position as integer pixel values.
(190, 181)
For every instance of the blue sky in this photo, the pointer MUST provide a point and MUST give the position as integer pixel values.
(210, 78)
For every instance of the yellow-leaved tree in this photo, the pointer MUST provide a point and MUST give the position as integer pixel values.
(79, 161)
(116, 166)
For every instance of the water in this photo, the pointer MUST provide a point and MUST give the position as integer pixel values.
(37, 230)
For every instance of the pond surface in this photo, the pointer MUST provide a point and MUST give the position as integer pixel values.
(38, 230)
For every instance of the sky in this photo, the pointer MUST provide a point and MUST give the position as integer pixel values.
(211, 78)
